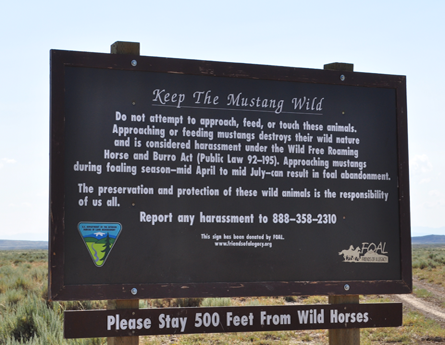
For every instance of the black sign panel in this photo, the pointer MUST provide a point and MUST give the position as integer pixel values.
(134, 322)
(183, 178)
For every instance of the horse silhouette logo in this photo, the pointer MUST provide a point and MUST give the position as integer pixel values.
(367, 253)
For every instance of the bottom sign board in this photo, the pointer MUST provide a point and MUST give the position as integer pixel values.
(135, 322)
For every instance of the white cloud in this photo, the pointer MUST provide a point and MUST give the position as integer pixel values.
(435, 199)
(434, 204)
(421, 164)
(7, 161)
(434, 192)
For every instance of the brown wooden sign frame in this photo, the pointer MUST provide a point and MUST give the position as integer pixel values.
(59, 290)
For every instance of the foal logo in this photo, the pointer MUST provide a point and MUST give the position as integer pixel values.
(367, 253)
(99, 238)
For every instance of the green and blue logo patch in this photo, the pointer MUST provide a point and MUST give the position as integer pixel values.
(99, 239)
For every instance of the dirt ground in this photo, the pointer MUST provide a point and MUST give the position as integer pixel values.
(432, 307)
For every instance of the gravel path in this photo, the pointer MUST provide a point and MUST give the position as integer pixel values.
(434, 308)
(426, 308)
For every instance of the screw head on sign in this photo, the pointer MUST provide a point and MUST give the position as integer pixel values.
(347, 287)
(342, 77)
(134, 63)
(134, 291)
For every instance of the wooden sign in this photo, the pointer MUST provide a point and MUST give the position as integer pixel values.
(121, 323)
(181, 178)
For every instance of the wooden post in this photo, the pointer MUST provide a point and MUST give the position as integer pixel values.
(340, 66)
(132, 48)
(120, 47)
(350, 336)
(123, 304)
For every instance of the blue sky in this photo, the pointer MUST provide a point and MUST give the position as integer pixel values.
(391, 37)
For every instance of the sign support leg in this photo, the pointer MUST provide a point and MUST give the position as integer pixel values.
(124, 48)
(123, 304)
(350, 336)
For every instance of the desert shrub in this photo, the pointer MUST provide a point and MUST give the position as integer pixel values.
(18, 323)
(37, 256)
(173, 302)
(159, 303)
(39, 274)
(22, 282)
(6, 271)
(215, 302)
(80, 305)
(44, 293)
(12, 297)
(143, 304)
(253, 303)
(26, 316)
(35, 322)
(422, 264)
(422, 293)
(187, 302)
(19, 261)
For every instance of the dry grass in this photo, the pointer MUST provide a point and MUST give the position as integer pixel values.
(429, 263)
(23, 286)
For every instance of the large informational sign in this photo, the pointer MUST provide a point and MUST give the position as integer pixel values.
(181, 178)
